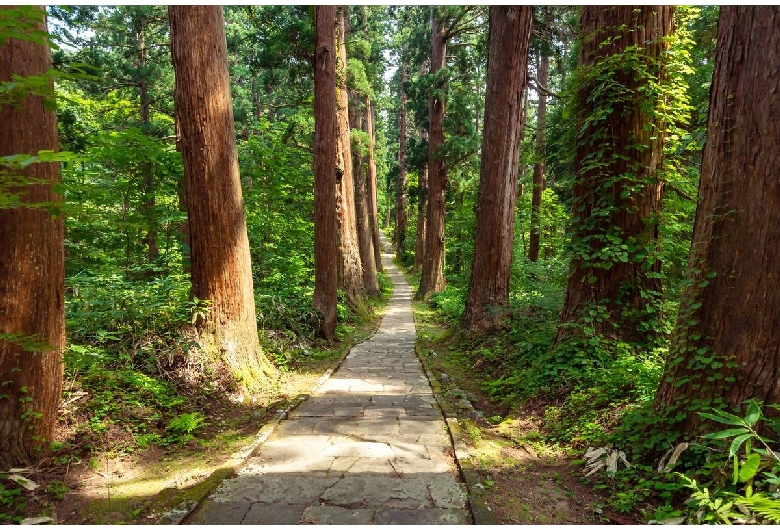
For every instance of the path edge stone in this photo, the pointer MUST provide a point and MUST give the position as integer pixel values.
(480, 510)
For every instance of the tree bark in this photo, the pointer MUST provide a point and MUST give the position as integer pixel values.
(422, 205)
(432, 277)
(220, 258)
(372, 190)
(542, 69)
(350, 266)
(32, 312)
(400, 185)
(726, 346)
(510, 32)
(147, 168)
(365, 238)
(618, 188)
(325, 253)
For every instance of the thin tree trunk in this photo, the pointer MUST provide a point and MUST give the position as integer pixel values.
(726, 346)
(365, 239)
(221, 263)
(400, 186)
(350, 266)
(372, 190)
(422, 204)
(432, 278)
(510, 32)
(147, 168)
(325, 253)
(422, 208)
(32, 285)
(617, 203)
(542, 69)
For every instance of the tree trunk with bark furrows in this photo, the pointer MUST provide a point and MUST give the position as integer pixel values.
(400, 185)
(542, 64)
(432, 277)
(220, 258)
(359, 172)
(350, 266)
(32, 284)
(726, 347)
(371, 182)
(325, 253)
(510, 32)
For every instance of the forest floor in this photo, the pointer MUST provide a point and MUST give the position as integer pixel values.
(525, 480)
(105, 481)
(114, 480)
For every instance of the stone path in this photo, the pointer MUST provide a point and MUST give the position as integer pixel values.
(370, 446)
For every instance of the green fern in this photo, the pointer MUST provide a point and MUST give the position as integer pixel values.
(763, 504)
(186, 424)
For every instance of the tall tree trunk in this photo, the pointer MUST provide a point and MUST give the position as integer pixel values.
(617, 191)
(221, 266)
(147, 168)
(325, 253)
(184, 226)
(365, 239)
(726, 347)
(432, 278)
(542, 68)
(32, 285)
(400, 185)
(350, 266)
(422, 204)
(510, 32)
(372, 190)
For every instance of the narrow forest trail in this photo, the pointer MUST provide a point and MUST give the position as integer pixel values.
(369, 446)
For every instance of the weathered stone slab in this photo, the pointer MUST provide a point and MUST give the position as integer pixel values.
(274, 514)
(270, 489)
(419, 517)
(336, 515)
(421, 426)
(360, 449)
(313, 465)
(446, 491)
(365, 491)
(215, 512)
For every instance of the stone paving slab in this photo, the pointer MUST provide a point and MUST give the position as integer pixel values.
(369, 446)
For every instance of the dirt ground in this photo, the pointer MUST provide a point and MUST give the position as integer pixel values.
(113, 481)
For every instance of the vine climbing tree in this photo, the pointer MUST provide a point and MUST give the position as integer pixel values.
(614, 285)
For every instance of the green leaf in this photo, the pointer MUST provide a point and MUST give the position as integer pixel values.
(723, 417)
(737, 443)
(753, 413)
(728, 433)
(750, 467)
